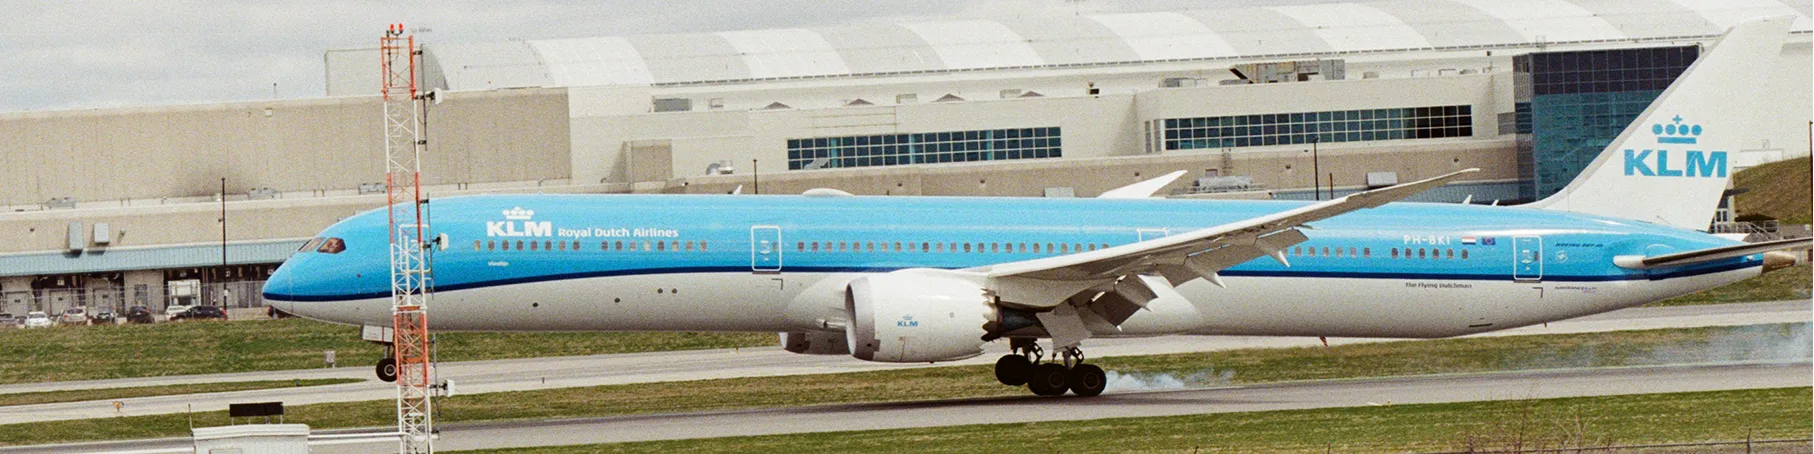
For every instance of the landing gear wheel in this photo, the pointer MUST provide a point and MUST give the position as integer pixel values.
(1049, 379)
(1087, 380)
(387, 370)
(1013, 370)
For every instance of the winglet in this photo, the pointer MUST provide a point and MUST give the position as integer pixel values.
(1142, 190)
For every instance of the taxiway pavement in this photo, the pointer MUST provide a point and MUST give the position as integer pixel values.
(561, 372)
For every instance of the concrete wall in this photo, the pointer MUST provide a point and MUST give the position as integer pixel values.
(305, 145)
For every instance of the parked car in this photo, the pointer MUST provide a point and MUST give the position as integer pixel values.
(102, 316)
(139, 314)
(74, 316)
(37, 319)
(7, 321)
(201, 313)
(174, 310)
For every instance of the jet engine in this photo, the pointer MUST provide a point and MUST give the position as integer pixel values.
(917, 315)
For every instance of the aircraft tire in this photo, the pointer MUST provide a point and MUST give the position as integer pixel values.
(1049, 379)
(387, 370)
(1013, 370)
(1087, 380)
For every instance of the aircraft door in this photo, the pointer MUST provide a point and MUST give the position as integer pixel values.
(1527, 259)
(765, 249)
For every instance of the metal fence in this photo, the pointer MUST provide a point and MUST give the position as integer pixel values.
(247, 294)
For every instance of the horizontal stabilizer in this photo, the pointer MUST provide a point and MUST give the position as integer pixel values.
(1706, 255)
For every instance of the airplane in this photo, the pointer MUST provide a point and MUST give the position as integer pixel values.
(929, 279)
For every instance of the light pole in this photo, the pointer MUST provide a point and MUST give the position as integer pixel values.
(1316, 171)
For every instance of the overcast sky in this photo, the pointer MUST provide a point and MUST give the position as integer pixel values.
(60, 55)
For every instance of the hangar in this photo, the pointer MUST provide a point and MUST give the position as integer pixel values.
(125, 206)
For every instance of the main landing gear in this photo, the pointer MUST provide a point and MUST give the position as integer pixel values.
(1022, 367)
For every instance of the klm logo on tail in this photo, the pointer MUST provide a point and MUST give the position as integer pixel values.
(1656, 163)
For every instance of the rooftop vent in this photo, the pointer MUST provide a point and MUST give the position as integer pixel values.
(948, 98)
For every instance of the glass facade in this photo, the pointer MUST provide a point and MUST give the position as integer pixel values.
(1323, 127)
(1571, 105)
(923, 148)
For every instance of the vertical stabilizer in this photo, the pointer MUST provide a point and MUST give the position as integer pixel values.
(1671, 165)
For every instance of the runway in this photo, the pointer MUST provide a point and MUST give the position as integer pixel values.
(560, 372)
(1235, 399)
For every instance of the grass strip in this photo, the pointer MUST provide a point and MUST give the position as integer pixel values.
(1793, 283)
(1498, 425)
(127, 351)
(78, 395)
(1619, 348)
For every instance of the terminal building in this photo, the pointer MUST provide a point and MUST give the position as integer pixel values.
(155, 204)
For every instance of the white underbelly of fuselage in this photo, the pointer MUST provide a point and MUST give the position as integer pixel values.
(1281, 306)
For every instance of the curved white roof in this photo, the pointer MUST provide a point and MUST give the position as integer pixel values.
(1062, 40)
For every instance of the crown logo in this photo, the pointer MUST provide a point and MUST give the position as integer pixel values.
(1676, 132)
(518, 214)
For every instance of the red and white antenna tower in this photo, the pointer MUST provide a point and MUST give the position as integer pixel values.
(403, 146)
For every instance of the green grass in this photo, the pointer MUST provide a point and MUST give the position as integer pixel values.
(79, 395)
(1234, 366)
(1778, 190)
(125, 351)
(1791, 283)
(1529, 424)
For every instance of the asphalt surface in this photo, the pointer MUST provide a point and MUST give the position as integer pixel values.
(1114, 404)
(561, 372)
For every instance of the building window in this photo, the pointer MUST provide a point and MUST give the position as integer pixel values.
(923, 148)
(1299, 128)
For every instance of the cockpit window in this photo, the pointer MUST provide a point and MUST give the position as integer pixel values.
(311, 245)
(332, 246)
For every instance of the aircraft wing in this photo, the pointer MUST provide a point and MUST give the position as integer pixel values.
(1706, 255)
(1126, 273)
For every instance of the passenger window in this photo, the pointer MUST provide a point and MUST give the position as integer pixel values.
(1092, 246)
(1325, 251)
(897, 246)
(994, 247)
(1049, 248)
(1394, 252)
(645, 246)
(1105, 245)
(1464, 254)
(663, 246)
(533, 246)
(1078, 247)
(491, 245)
(869, 247)
(702, 246)
(690, 245)
(1420, 253)
(966, 247)
(1351, 252)
(1366, 252)
(332, 246)
(1064, 248)
(1450, 254)
(924, 247)
(563, 245)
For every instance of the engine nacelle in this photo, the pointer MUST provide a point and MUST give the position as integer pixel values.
(816, 343)
(916, 315)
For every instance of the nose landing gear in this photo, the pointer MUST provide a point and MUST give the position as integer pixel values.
(1053, 378)
(387, 369)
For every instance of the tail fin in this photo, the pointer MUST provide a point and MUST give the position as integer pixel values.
(1670, 165)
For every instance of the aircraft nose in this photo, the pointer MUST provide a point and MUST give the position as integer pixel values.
(279, 290)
